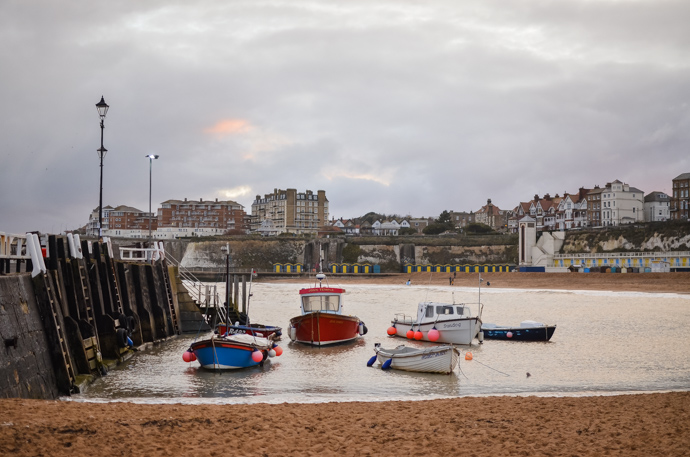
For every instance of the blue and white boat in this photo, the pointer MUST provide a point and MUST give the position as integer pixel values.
(232, 352)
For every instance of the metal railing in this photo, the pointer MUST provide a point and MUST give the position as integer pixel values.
(205, 295)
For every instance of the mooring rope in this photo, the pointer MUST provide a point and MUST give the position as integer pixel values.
(487, 366)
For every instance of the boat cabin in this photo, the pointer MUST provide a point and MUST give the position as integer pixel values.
(321, 299)
(429, 311)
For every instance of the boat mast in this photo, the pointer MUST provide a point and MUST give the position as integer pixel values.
(479, 305)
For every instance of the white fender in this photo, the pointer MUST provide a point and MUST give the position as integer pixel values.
(293, 333)
(37, 245)
(161, 248)
(77, 245)
(70, 243)
(34, 258)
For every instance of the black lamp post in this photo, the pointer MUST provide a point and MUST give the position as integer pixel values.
(102, 108)
(151, 157)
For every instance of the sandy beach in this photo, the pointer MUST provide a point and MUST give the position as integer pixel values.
(656, 424)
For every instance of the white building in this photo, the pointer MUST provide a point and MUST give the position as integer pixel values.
(656, 207)
(621, 204)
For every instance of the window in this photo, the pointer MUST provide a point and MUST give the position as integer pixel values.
(444, 309)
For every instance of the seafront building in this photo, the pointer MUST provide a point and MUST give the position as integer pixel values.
(680, 199)
(621, 204)
(289, 211)
(175, 219)
(179, 218)
(657, 207)
(122, 221)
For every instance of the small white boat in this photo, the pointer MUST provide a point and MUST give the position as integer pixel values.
(454, 323)
(450, 323)
(436, 359)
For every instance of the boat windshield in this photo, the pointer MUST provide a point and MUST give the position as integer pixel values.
(320, 303)
(444, 309)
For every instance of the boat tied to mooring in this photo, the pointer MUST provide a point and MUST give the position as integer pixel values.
(322, 321)
(435, 359)
(451, 323)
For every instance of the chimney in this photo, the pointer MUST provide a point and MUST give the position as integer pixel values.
(201, 200)
(185, 199)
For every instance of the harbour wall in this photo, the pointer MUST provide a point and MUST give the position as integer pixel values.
(26, 369)
(82, 313)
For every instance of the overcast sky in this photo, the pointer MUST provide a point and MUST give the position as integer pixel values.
(399, 107)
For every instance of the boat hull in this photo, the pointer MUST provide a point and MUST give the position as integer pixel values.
(227, 353)
(457, 331)
(321, 329)
(520, 333)
(438, 359)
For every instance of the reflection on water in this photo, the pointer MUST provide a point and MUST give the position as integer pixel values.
(604, 342)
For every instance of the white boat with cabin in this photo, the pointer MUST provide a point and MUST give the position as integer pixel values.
(454, 323)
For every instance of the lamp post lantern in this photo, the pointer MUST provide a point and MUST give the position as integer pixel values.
(151, 157)
(102, 108)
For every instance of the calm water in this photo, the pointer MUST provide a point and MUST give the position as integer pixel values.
(605, 342)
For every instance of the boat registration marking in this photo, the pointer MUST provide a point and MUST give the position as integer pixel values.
(435, 354)
(453, 325)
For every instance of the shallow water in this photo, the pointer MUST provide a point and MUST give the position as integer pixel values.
(605, 342)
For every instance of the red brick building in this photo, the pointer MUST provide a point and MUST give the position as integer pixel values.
(214, 216)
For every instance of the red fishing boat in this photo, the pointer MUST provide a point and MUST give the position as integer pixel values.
(322, 321)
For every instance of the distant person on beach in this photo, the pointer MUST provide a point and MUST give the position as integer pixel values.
(408, 282)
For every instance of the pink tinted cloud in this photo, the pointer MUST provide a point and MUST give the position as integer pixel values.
(229, 127)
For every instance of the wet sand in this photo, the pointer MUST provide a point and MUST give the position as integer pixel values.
(632, 425)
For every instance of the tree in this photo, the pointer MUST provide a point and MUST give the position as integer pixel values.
(434, 229)
(444, 218)
(476, 227)
(351, 253)
(407, 231)
(442, 224)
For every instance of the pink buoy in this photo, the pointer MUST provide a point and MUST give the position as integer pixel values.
(257, 356)
(188, 356)
(392, 330)
(409, 334)
(433, 335)
(509, 334)
(279, 351)
(418, 335)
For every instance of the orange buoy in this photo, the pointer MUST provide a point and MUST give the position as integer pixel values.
(468, 356)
